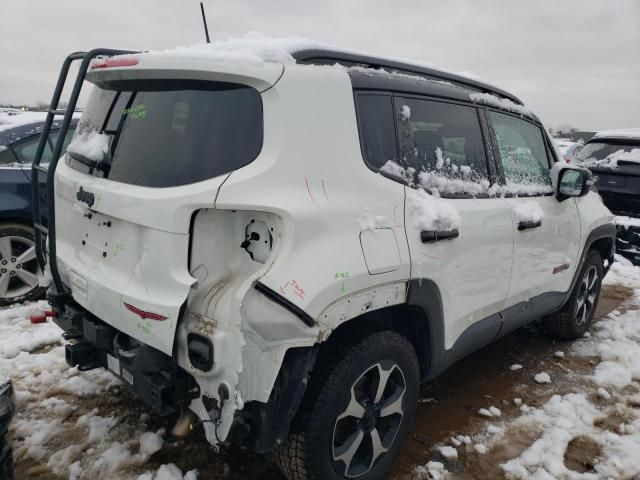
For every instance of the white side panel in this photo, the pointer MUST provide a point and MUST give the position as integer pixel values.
(555, 244)
(131, 247)
(380, 249)
(593, 213)
(321, 189)
(472, 271)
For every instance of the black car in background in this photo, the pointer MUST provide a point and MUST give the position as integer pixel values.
(7, 408)
(19, 137)
(614, 157)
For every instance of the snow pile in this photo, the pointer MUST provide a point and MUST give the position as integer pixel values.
(448, 452)
(50, 428)
(405, 112)
(431, 213)
(528, 211)
(13, 119)
(542, 377)
(432, 471)
(612, 160)
(567, 417)
(627, 222)
(169, 472)
(502, 103)
(405, 174)
(92, 145)
(253, 49)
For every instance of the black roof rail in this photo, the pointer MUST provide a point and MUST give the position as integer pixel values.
(323, 57)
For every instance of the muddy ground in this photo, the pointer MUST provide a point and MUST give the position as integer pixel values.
(448, 405)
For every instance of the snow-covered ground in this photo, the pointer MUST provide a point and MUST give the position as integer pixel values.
(69, 424)
(582, 423)
(589, 425)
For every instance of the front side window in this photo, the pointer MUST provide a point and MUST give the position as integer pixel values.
(442, 143)
(522, 154)
(168, 132)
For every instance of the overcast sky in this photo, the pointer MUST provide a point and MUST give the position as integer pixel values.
(573, 61)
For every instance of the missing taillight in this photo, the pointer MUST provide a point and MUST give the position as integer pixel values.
(200, 351)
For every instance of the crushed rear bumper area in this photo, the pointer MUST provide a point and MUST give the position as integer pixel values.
(152, 375)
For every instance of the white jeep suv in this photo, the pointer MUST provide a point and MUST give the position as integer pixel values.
(282, 243)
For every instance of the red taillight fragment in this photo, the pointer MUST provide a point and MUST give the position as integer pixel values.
(38, 318)
(143, 314)
(49, 314)
(116, 62)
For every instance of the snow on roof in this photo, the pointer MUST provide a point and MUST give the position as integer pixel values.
(501, 103)
(255, 48)
(11, 119)
(625, 133)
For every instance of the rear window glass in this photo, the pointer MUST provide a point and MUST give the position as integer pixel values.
(609, 154)
(167, 133)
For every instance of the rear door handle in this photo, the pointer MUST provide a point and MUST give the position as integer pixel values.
(525, 224)
(431, 236)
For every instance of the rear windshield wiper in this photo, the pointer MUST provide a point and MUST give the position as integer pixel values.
(99, 165)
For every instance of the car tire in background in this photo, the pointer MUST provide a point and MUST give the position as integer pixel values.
(574, 319)
(357, 412)
(19, 271)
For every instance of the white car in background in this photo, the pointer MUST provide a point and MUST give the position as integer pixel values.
(568, 148)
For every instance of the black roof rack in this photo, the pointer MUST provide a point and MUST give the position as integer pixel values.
(324, 57)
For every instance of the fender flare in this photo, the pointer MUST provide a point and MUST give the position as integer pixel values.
(607, 231)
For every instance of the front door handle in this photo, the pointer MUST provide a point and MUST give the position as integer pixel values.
(431, 236)
(525, 224)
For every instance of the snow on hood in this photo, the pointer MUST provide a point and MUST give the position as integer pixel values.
(626, 133)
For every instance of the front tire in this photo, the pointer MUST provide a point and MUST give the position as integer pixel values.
(19, 271)
(574, 319)
(357, 413)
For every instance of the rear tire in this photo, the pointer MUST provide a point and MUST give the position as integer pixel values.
(574, 319)
(349, 426)
(19, 270)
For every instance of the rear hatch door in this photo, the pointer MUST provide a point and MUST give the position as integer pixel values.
(147, 154)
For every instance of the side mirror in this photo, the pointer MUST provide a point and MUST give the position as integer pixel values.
(573, 182)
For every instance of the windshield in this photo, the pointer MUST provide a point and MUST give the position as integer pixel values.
(167, 133)
(608, 154)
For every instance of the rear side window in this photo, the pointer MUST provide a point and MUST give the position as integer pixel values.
(53, 138)
(442, 143)
(522, 152)
(167, 133)
(377, 130)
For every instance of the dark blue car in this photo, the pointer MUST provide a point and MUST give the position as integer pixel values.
(19, 137)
